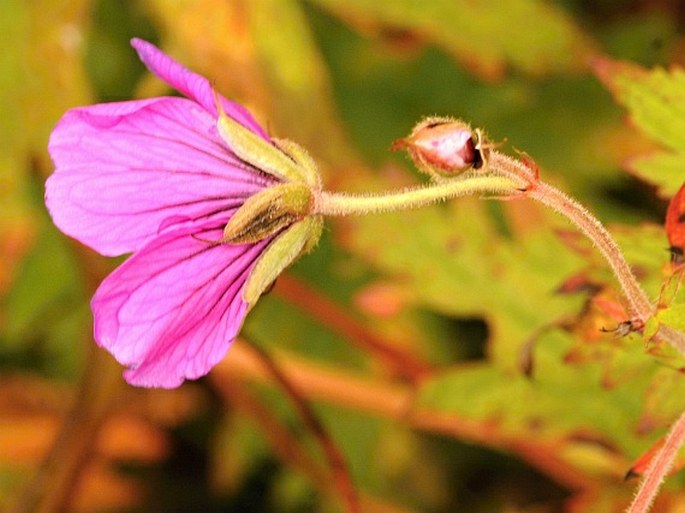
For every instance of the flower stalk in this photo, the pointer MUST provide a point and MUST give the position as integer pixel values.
(336, 204)
(640, 308)
(639, 305)
(506, 177)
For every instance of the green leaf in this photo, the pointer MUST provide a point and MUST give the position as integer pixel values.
(655, 100)
(40, 77)
(563, 399)
(673, 316)
(454, 261)
(486, 36)
(646, 249)
(665, 170)
(46, 312)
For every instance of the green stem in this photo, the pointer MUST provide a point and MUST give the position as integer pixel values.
(334, 204)
(509, 177)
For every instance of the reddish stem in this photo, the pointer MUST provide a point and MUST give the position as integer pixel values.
(661, 464)
(336, 318)
(527, 175)
(640, 306)
(339, 470)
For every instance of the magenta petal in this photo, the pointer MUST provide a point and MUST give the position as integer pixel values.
(191, 84)
(171, 311)
(126, 171)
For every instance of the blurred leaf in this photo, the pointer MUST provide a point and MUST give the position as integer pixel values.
(297, 78)
(563, 401)
(217, 45)
(663, 397)
(673, 316)
(42, 74)
(112, 65)
(455, 261)
(485, 36)
(237, 436)
(276, 324)
(649, 37)
(646, 249)
(40, 77)
(48, 279)
(46, 311)
(656, 103)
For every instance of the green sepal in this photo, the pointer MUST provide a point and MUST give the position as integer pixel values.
(261, 154)
(294, 242)
(267, 212)
(303, 159)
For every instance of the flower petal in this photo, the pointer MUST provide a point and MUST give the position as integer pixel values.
(171, 311)
(191, 84)
(126, 171)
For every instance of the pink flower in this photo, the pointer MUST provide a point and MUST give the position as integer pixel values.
(161, 178)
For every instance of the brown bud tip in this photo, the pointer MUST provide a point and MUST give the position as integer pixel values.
(398, 144)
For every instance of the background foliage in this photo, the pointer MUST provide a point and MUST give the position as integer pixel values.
(454, 355)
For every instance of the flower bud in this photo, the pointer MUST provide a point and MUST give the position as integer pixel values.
(445, 147)
(267, 212)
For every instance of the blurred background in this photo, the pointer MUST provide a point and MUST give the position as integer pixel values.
(448, 359)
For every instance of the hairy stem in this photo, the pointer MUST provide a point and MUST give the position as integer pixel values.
(508, 177)
(640, 307)
(661, 464)
(639, 304)
(335, 204)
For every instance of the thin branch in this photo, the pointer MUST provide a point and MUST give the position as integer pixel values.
(52, 488)
(334, 317)
(284, 444)
(396, 401)
(659, 467)
(340, 472)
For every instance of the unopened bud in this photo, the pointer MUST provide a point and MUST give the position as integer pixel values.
(267, 212)
(445, 147)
